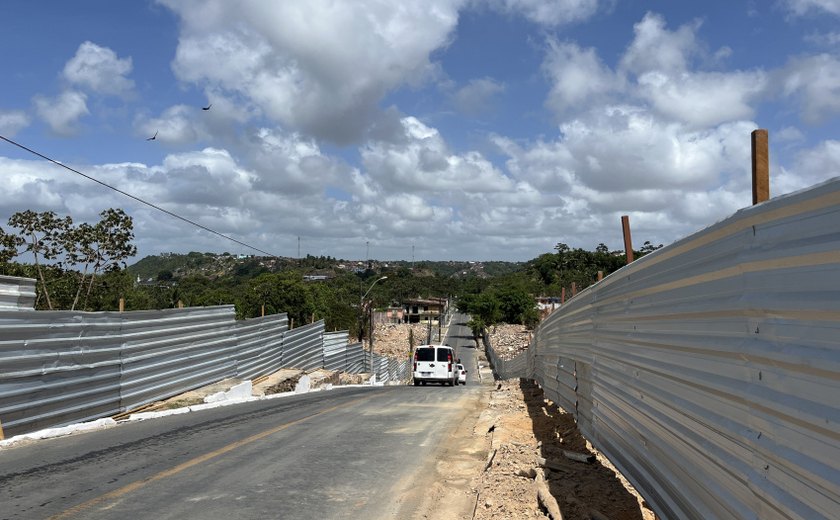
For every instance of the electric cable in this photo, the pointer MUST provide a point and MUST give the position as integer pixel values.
(138, 199)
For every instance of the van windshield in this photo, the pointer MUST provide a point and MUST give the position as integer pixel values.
(444, 354)
(425, 354)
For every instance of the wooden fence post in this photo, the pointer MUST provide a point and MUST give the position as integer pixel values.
(180, 304)
(574, 289)
(628, 243)
(262, 310)
(760, 166)
(122, 305)
(562, 295)
(600, 275)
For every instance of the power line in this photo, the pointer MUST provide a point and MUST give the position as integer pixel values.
(138, 199)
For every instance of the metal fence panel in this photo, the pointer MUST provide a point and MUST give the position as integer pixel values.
(260, 345)
(355, 358)
(171, 351)
(335, 350)
(17, 294)
(380, 366)
(303, 347)
(709, 370)
(57, 368)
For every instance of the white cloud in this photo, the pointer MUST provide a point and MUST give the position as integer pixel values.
(704, 99)
(63, 112)
(12, 122)
(802, 7)
(815, 81)
(478, 96)
(655, 48)
(320, 67)
(549, 12)
(829, 39)
(177, 125)
(813, 166)
(99, 69)
(577, 75)
(656, 72)
(424, 164)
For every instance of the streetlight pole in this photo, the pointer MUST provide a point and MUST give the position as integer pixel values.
(370, 333)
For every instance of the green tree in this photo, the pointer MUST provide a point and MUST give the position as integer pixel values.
(280, 292)
(477, 327)
(8, 248)
(102, 247)
(43, 235)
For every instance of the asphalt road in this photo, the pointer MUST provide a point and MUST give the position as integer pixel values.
(343, 453)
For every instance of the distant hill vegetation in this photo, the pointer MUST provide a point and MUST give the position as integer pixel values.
(172, 266)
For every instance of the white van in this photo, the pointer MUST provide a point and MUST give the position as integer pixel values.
(435, 364)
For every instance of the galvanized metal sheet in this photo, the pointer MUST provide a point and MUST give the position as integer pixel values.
(355, 356)
(17, 294)
(303, 347)
(260, 345)
(57, 368)
(335, 350)
(709, 370)
(171, 351)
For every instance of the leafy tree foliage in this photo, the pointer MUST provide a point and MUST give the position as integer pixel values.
(43, 235)
(49, 238)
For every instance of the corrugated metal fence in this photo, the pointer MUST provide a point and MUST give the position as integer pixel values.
(17, 294)
(709, 370)
(335, 350)
(61, 367)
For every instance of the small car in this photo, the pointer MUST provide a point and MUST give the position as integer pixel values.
(462, 374)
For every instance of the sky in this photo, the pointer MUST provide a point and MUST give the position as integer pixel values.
(432, 129)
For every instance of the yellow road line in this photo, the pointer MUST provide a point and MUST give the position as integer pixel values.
(134, 486)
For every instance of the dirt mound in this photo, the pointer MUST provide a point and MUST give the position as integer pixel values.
(286, 385)
(535, 446)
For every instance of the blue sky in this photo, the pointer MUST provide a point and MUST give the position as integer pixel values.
(475, 130)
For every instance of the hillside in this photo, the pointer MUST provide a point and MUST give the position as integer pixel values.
(168, 266)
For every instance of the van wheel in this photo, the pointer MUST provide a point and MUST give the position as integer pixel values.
(416, 383)
(423, 383)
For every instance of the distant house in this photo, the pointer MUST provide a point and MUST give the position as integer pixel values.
(315, 277)
(392, 314)
(420, 310)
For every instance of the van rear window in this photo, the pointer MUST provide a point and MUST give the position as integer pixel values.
(425, 354)
(444, 354)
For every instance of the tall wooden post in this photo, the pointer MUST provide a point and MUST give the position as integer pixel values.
(562, 295)
(180, 304)
(122, 305)
(574, 289)
(760, 166)
(600, 275)
(262, 310)
(628, 242)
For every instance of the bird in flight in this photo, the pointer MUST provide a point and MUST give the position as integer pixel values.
(152, 138)
(207, 107)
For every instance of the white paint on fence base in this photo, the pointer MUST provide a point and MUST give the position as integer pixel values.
(303, 385)
(235, 393)
(50, 433)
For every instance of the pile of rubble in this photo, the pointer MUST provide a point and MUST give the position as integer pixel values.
(540, 466)
(392, 339)
(509, 340)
